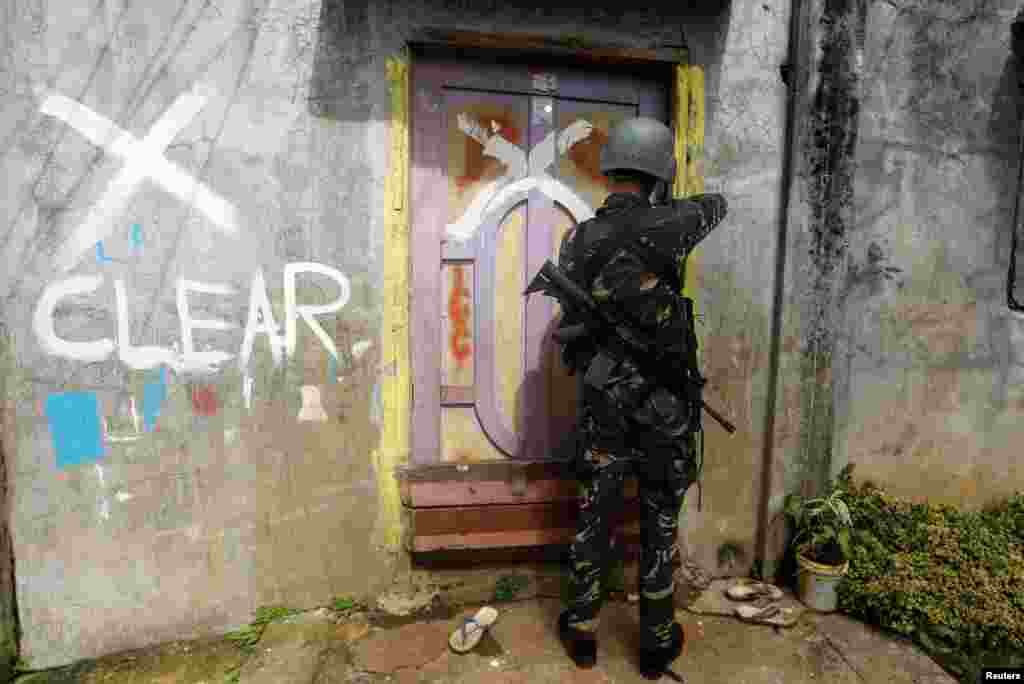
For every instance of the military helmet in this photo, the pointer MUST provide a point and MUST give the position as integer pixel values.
(640, 144)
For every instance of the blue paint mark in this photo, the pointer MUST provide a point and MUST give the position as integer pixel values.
(100, 255)
(136, 237)
(153, 395)
(332, 370)
(75, 426)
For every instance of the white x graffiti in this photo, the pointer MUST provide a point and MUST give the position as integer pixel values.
(143, 159)
(522, 174)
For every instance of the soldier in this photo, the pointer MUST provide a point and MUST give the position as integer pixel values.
(629, 258)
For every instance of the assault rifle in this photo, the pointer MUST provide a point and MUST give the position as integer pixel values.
(616, 339)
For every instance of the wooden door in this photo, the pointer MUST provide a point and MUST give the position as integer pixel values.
(505, 161)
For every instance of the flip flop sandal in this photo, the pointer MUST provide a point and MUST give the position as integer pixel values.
(466, 637)
(766, 615)
(750, 592)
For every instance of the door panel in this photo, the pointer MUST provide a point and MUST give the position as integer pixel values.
(505, 161)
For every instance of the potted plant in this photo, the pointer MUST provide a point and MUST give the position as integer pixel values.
(822, 545)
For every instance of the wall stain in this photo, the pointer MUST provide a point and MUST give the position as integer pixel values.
(829, 164)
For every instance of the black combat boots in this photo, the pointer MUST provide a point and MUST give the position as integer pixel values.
(655, 661)
(581, 646)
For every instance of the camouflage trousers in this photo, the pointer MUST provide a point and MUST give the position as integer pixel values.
(664, 475)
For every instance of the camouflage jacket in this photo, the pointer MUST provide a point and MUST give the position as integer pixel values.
(602, 256)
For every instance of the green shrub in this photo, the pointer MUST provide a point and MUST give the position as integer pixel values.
(948, 579)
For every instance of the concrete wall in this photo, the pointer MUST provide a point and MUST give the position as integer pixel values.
(929, 394)
(154, 503)
(152, 500)
(736, 281)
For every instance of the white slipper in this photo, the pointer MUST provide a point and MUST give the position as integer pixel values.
(466, 637)
(755, 590)
(767, 615)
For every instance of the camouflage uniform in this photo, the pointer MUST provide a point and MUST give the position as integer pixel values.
(629, 424)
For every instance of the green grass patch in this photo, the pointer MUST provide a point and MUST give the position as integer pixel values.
(342, 603)
(234, 675)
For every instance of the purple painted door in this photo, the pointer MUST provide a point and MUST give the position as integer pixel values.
(505, 161)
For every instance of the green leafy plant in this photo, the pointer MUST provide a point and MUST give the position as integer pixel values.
(946, 578)
(509, 585)
(823, 526)
(729, 552)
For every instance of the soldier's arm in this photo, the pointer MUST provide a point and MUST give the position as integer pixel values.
(701, 214)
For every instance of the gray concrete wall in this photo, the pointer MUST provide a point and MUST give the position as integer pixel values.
(149, 506)
(929, 399)
(736, 281)
(210, 503)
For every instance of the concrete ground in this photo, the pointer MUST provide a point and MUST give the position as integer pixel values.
(324, 647)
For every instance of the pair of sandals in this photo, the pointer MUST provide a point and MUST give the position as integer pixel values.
(760, 604)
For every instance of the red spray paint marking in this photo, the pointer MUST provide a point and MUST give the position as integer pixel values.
(461, 346)
(586, 154)
(204, 400)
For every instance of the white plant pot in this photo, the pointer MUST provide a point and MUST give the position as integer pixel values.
(816, 583)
